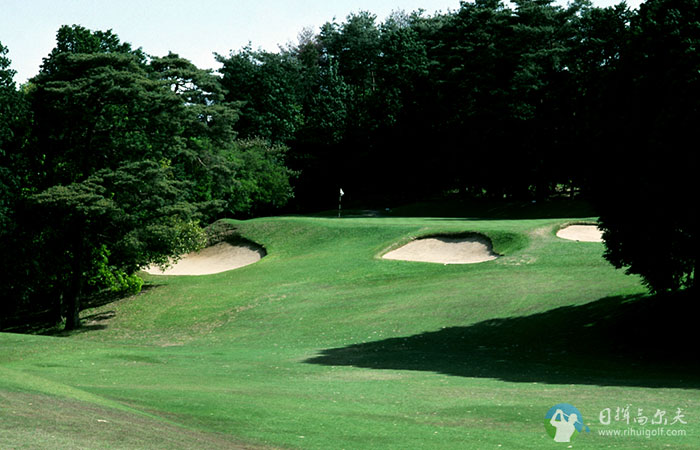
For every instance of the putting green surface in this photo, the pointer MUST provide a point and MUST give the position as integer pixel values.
(324, 344)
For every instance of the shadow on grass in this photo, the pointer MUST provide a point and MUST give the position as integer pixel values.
(45, 322)
(616, 341)
(84, 328)
(98, 320)
(92, 322)
(106, 297)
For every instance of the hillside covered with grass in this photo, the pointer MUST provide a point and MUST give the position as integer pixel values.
(323, 344)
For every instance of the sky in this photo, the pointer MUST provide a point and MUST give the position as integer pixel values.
(193, 29)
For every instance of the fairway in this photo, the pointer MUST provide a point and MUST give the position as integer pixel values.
(324, 344)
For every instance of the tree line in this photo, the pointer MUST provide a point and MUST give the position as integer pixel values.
(111, 159)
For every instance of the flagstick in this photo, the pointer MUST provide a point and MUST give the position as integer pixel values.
(340, 198)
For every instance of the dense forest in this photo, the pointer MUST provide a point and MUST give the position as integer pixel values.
(112, 159)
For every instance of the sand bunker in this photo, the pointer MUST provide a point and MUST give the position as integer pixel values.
(584, 233)
(445, 250)
(217, 258)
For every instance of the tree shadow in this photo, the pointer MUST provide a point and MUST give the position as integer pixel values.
(98, 320)
(84, 328)
(106, 297)
(46, 322)
(616, 341)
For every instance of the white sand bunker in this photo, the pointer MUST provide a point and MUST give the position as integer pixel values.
(584, 233)
(217, 258)
(445, 250)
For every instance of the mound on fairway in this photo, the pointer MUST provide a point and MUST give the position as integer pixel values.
(584, 233)
(217, 258)
(445, 250)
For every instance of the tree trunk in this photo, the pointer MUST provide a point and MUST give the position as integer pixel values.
(72, 298)
(73, 308)
(57, 311)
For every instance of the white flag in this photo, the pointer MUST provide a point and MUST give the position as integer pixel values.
(341, 192)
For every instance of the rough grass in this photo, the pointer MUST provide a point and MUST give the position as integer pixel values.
(322, 344)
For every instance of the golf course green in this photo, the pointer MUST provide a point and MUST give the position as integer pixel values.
(324, 344)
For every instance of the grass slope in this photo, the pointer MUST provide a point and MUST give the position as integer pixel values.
(322, 344)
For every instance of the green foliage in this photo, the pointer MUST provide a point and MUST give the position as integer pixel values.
(108, 226)
(117, 281)
(15, 119)
(403, 66)
(6, 74)
(327, 109)
(77, 39)
(15, 126)
(355, 45)
(7, 92)
(644, 198)
(261, 177)
(487, 85)
(97, 110)
(265, 84)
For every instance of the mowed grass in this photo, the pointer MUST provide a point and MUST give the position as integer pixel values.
(322, 344)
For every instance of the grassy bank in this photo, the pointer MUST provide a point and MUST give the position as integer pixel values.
(322, 344)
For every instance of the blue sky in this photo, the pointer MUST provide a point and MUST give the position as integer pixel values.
(194, 29)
